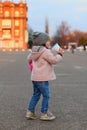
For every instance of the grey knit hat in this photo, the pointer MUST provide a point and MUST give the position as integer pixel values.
(40, 38)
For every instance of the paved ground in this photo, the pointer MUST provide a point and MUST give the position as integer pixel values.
(68, 93)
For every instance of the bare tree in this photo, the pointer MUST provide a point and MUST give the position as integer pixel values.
(62, 31)
(46, 26)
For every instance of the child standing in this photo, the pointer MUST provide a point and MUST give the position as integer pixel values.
(42, 59)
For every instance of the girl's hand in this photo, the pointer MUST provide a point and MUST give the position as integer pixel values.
(61, 51)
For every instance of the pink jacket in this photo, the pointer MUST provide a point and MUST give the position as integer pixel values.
(43, 60)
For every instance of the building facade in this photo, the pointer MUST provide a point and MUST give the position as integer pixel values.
(13, 25)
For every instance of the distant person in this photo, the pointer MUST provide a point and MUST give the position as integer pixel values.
(30, 44)
(72, 48)
(43, 60)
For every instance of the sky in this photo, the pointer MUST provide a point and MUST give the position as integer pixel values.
(74, 12)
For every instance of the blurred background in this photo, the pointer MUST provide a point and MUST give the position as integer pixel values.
(65, 21)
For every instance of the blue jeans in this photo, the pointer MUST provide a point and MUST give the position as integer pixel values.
(40, 88)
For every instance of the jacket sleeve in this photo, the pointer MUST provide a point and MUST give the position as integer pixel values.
(52, 59)
(29, 57)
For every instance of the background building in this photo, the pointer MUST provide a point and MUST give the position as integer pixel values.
(13, 25)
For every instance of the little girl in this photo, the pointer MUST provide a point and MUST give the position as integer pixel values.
(42, 72)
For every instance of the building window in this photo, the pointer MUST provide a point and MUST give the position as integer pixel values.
(16, 32)
(6, 34)
(6, 13)
(6, 23)
(16, 22)
(16, 13)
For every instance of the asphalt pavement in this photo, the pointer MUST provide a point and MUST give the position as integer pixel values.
(68, 93)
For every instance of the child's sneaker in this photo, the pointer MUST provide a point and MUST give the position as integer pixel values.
(47, 116)
(30, 115)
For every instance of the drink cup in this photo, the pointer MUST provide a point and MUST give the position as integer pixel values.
(56, 47)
